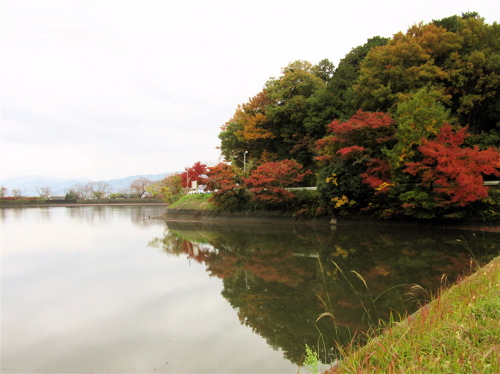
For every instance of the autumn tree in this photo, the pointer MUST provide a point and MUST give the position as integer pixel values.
(3, 191)
(269, 181)
(171, 188)
(139, 186)
(252, 118)
(220, 177)
(284, 120)
(362, 140)
(461, 64)
(249, 130)
(407, 62)
(352, 155)
(450, 175)
(154, 189)
(192, 174)
(226, 183)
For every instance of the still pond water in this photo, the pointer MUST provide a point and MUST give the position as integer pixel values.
(106, 289)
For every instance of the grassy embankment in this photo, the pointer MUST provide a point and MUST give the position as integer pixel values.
(194, 201)
(458, 332)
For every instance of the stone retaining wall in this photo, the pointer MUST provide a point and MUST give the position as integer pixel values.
(257, 217)
(217, 217)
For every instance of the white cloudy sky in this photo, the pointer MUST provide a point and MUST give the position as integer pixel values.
(109, 88)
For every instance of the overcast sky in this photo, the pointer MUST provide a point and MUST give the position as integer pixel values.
(110, 88)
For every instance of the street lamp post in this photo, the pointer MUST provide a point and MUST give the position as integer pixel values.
(244, 162)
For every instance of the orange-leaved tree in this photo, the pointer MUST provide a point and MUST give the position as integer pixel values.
(220, 177)
(225, 182)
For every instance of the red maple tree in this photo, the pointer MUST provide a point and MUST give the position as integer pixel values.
(454, 174)
(219, 177)
(269, 181)
(194, 173)
(361, 139)
(364, 133)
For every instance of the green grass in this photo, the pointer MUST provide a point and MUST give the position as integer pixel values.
(458, 332)
(194, 201)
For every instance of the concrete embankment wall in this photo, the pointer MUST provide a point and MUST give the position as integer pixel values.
(217, 217)
(257, 217)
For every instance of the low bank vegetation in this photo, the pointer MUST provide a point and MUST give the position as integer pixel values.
(458, 332)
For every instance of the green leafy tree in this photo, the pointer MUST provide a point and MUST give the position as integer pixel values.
(324, 70)
(288, 111)
(341, 85)
(341, 187)
(419, 117)
(71, 195)
(231, 144)
(474, 74)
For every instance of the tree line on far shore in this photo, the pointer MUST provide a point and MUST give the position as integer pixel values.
(138, 188)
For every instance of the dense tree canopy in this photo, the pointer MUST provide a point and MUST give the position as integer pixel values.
(284, 120)
(462, 64)
(370, 128)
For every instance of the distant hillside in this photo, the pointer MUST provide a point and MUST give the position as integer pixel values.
(27, 184)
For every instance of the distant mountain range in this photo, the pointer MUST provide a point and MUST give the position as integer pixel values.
(27, 184)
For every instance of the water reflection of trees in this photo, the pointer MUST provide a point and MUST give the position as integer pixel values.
(280, 280)
(101, 214)
(140, 215)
